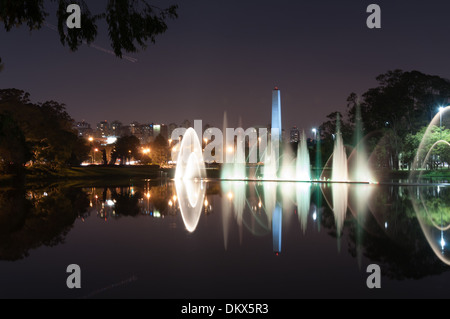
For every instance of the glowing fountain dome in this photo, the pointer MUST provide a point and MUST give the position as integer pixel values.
(189, 176)
(191, 196)
(190, 163)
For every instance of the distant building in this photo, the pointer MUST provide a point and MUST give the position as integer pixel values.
(118, 129)
(134, 128)
(103, 129)
(295, 135)
(84, 129)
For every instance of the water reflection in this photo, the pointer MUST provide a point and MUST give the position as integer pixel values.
(33, 218)
(403, 229)
(191, 195)
(431, 207)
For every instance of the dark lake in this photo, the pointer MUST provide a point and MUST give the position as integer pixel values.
(149, 239)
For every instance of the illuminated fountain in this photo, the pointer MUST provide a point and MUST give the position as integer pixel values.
(303, 165)
(189, 176)
(434, 220)
(424, 153)
(303, 190)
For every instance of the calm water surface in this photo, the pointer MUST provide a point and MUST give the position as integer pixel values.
(225, 240)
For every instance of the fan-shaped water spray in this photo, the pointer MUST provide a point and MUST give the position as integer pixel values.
(190, 163)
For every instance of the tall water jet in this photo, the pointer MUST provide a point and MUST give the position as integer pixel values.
(303, 165)
(361, 172)
(303, 173)
(227, 169)
(288, 164)
(339, 174)
(340, 165)
(318, 164)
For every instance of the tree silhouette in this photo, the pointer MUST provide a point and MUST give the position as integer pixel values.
(14, 151)
(47, 129)
(45, 219)
(401, 104)
(131, 23)
(125, 148)
(160, 150)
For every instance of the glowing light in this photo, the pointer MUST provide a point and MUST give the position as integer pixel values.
(206, 202)
(230, 195)
(111, 140)
(170, 203)
(442, 243)
(148, 195)
(260, 204)
(191, 198)
(174, 198)
(230, 149)
(190, 163)
(385, 225)
(315, 216)
(91, 139)
(110, 203)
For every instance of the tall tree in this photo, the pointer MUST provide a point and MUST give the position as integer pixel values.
(131, 23)
(47, 128)
(160, 150)
(126, 147)
(401, 104)
(14, 151)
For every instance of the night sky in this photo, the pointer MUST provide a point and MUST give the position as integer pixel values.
(228, 56)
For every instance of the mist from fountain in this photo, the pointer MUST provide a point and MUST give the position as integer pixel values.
(361, 172)
(303, 165)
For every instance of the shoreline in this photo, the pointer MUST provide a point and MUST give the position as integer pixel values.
(154, 172)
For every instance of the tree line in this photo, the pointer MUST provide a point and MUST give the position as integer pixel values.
(394, 117)
(36, 134)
